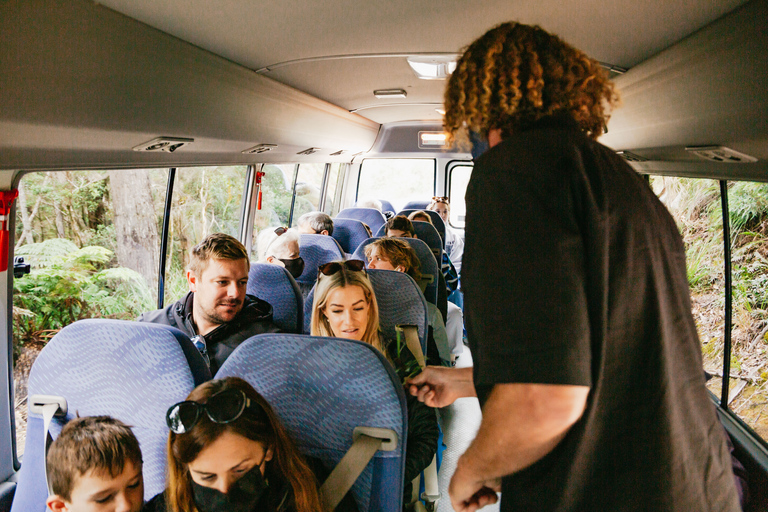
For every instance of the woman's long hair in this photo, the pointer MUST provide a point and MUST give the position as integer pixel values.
(343, 278)
(263, 428)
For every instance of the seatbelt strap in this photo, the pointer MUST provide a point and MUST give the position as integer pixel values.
(349, 468)
(413, 343)
(47, 406)
(431, 492)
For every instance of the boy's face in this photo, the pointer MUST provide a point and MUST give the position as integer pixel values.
(100, 492)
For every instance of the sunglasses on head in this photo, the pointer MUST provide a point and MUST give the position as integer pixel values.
(328, 269)
(280, 231)
(223, 407)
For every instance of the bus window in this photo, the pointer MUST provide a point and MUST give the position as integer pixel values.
(459, 179)
(276, 201)
(397, 180)
(334, 189)
(695, 206)
(748, 213)
(308, 189)
(205, 200)
(91, 239)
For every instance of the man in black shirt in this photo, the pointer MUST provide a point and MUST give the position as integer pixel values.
(216, 313)
(587, 360)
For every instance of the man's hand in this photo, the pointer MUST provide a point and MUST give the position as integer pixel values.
(437, 386)
(469, 493)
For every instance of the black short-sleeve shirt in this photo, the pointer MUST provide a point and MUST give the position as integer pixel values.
(574, 273)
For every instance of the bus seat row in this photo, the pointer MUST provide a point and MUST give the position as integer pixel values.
(325, 390)
(437, 222)
(386, 206)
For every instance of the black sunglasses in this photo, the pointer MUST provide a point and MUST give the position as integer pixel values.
(328, 269)
(281, 230)
(223, 407)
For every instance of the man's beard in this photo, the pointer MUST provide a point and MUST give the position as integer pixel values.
(214, 317)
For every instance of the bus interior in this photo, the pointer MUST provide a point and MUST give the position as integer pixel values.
(240, 115)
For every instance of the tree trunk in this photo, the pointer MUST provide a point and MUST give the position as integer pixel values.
(26, 219)
(138, 242)
(61, 231)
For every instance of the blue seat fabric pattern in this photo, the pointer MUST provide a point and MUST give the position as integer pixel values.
(316, 250)
(371, 216)
(349, 233)
(322, 388)
(400, 302)
(426, 259)
(275, 285)
(437, 221)
(129, 370)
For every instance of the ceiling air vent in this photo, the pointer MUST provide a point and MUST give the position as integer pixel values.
(166, 144)
(259, 148)
(631, 157)
(721, 154)
(340, 152)
(308, 151)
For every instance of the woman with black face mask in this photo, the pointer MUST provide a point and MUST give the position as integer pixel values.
(228, 452)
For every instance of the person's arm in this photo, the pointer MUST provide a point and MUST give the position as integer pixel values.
(423, 433)
(521, 424)
(438, 386)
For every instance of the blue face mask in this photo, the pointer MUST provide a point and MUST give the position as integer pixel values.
(479, 144)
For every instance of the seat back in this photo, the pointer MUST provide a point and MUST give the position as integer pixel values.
(425, 232)
(437, 221)
(386, 206)
(322, 388)
(316, 250)
(416, 205)
(400, 302)
(132, 371)
(371, 216)
(349, 233)
(428, 265)
(275, 285)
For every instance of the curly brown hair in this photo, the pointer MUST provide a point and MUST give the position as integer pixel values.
(516, 74)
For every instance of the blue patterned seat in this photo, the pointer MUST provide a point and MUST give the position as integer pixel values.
(426, 259)
(371, 216)
(349, 233)
(275, 285)
(322, 388)
(316, 250)
(400, 302)
(437, 221)
(129, 370)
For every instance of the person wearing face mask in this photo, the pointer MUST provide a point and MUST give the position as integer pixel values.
(281, 247)
(217, 314)
(228, 452)
(345, 307)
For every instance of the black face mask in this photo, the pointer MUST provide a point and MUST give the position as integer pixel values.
(479, 144)
(295, 266)
(242, 496)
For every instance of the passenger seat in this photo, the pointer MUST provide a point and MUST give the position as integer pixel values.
(132, 371)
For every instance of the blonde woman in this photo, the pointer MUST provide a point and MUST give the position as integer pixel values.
(345, 307)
